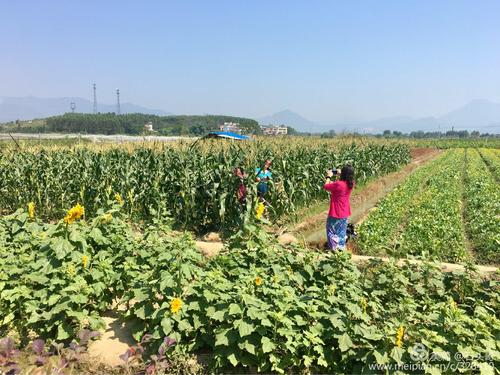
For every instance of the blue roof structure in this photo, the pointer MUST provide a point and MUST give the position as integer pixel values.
(227, 135)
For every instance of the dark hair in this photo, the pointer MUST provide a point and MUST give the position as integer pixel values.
(347, 175)
(240, 170)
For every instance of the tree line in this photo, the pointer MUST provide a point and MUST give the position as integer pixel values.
(438, 134)
(133, 123)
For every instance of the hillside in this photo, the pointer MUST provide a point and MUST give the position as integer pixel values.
(109, 123)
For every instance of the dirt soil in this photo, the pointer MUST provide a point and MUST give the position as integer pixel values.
(366, 199)
(114, 341)
(445, 267)
(209, 249)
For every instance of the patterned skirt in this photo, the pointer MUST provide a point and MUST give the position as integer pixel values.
(336, 233)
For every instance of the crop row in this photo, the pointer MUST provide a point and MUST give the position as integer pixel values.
(482, 211)
(442, 211)
(376, 234)
(492, 159)
(258, 305)
(448, 143)
(196, 186)
(434, 224)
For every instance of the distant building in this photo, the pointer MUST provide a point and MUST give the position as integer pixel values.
(148, 126)
(233, 127)
(274, 130)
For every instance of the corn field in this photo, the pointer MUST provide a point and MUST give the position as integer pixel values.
(194, 185)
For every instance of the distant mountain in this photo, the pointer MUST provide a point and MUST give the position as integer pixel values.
(482, 115)
(476, 113)
(27, 108)
(292, 119)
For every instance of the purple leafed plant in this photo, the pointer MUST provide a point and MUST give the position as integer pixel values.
(85, 335)
(38, 347)
(136, 352)
(156, 361)
(127, 355)
(159, 362)
(8, 352)
(168, 341)
(67, 355)
(146, 338)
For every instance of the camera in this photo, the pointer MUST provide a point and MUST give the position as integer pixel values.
(335, 171)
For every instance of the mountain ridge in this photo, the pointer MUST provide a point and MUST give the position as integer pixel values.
(478, 114)
(290, 118)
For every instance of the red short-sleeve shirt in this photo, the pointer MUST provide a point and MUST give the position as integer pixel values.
(340, 206)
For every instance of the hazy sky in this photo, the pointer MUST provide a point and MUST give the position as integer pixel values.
(327, 60)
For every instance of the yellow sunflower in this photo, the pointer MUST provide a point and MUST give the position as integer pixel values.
(85, 261)
(119, 199)
(74, 213)
(399, 336)
(175, 305)
(259, 211)
(31, 210)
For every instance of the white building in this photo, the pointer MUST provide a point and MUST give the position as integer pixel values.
(274, 130)
(233, 127)
(148, 126)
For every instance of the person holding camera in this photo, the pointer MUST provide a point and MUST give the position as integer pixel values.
(340, 188)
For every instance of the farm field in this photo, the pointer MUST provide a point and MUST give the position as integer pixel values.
(195, 183)
(448, 210)
(88, 230)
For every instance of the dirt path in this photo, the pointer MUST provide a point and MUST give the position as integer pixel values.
(114, 341)
(312, 229)
(445, 267)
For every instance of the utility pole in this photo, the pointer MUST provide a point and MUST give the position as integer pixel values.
(95, 100)
(72, 105)
(117, 101)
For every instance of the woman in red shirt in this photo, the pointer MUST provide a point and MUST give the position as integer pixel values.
(340, 207)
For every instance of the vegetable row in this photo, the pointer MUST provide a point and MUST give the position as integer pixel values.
(446, 210)
(482, 211)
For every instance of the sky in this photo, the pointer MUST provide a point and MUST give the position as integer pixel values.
(327, 60)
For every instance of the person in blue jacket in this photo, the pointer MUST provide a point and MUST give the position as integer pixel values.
(263, 177)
